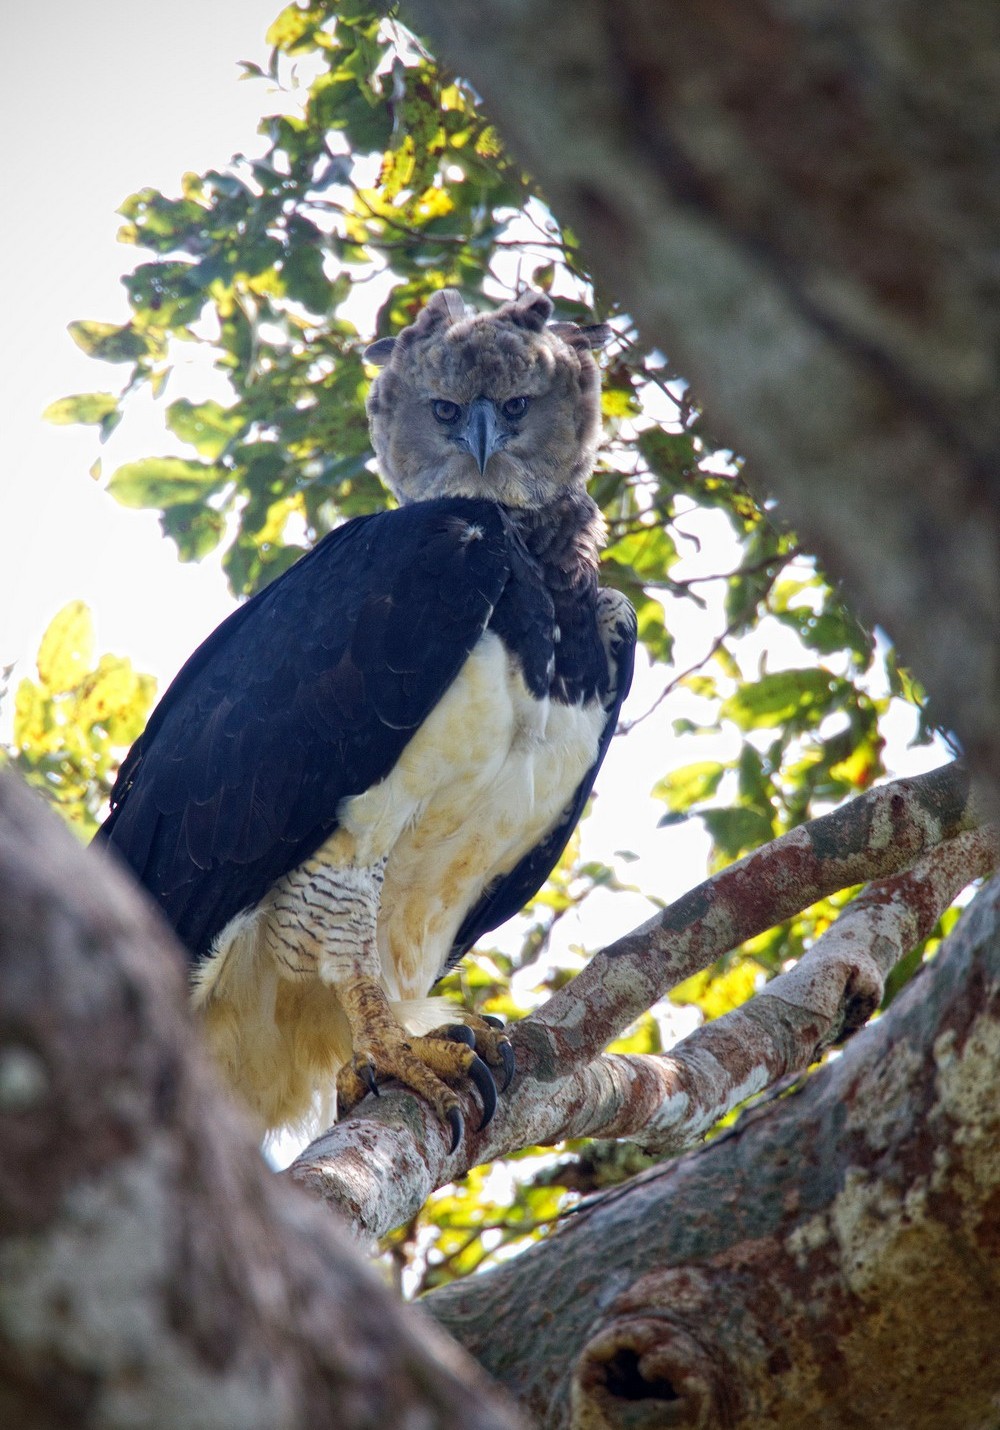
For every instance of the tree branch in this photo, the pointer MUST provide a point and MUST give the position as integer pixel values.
(832, 991)
(148, 1257)
(380, 1166)
(870, 837)
(850, 1230)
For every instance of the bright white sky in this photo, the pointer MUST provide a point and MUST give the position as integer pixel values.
(98, 101)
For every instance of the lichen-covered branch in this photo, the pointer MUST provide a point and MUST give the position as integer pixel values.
(868, 838)
(379, 1167)
(833, 1260)
(833, 989)
(153, 1271)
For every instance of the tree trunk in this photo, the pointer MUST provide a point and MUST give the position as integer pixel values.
(800, 206)
(832, 1261)
(153, 1271)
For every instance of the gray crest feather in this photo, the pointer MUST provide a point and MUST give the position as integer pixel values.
(442, 308)
(593, 335)
(379, 353)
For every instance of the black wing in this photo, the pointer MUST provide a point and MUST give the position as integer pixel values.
(305, 695)
(509, 895)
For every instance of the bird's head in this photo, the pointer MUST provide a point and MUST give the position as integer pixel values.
(503, 405)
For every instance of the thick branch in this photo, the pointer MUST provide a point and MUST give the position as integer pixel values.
(148, 1258)
(799, 205)
(851, 1230)
(379, 1168)
(868, 838)
(833, 989)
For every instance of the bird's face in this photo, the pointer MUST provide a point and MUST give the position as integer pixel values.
(486, 407)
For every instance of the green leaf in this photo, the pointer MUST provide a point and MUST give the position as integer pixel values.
(195, 529)
(650, 553)
(208, 426)
(652, 631)
(780, 698)
(690, 784)
(108, 341)
(159, 482)
(87, 407)
(736, 831)
(754, 787)
(305, 280)
(671, 456)
(294, 28)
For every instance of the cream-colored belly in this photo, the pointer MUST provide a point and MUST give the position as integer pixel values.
(480, 784)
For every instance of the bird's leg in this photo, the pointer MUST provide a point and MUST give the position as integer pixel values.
(322, 923)
(383, 1048)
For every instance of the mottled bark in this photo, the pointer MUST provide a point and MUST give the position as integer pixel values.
(799, 204)
(868, 838)
(833, 1261)
(380, 1166)
(153, 1272)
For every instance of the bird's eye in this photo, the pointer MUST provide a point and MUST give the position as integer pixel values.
(515, 406)
(445, 411)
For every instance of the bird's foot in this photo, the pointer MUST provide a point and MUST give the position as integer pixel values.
(489, 1037)
(383, 1049)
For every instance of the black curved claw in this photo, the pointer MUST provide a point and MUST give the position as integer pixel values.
(367, 1076)
(461, 1033)
(506, 1051)
(457, 1128)
(483, 1079)
(493, 1020)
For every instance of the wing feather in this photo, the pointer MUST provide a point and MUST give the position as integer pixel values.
(305, 695)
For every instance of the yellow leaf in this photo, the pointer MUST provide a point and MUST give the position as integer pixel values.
(113, 697)
(434, 203)
(723, 992)
(488, 144)
(278, 514)
(642, 1037)
(291, 25)
(859, 769)
(29, 715)
(617, 403)
(397, 168)
(67, 648)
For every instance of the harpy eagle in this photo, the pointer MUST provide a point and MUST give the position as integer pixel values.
(381, 756)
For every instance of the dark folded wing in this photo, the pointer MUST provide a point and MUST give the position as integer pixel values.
(305, 695)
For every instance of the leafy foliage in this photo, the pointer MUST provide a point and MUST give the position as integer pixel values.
(379, 182)
(73, 725)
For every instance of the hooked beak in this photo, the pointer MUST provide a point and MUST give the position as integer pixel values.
(482, 435)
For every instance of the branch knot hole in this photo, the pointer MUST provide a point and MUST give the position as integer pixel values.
(647, 1374)
(863, 993)
(626, 1380)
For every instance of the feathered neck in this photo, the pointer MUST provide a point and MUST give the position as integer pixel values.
(565, 536)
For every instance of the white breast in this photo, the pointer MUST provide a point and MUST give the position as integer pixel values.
(482, 781)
